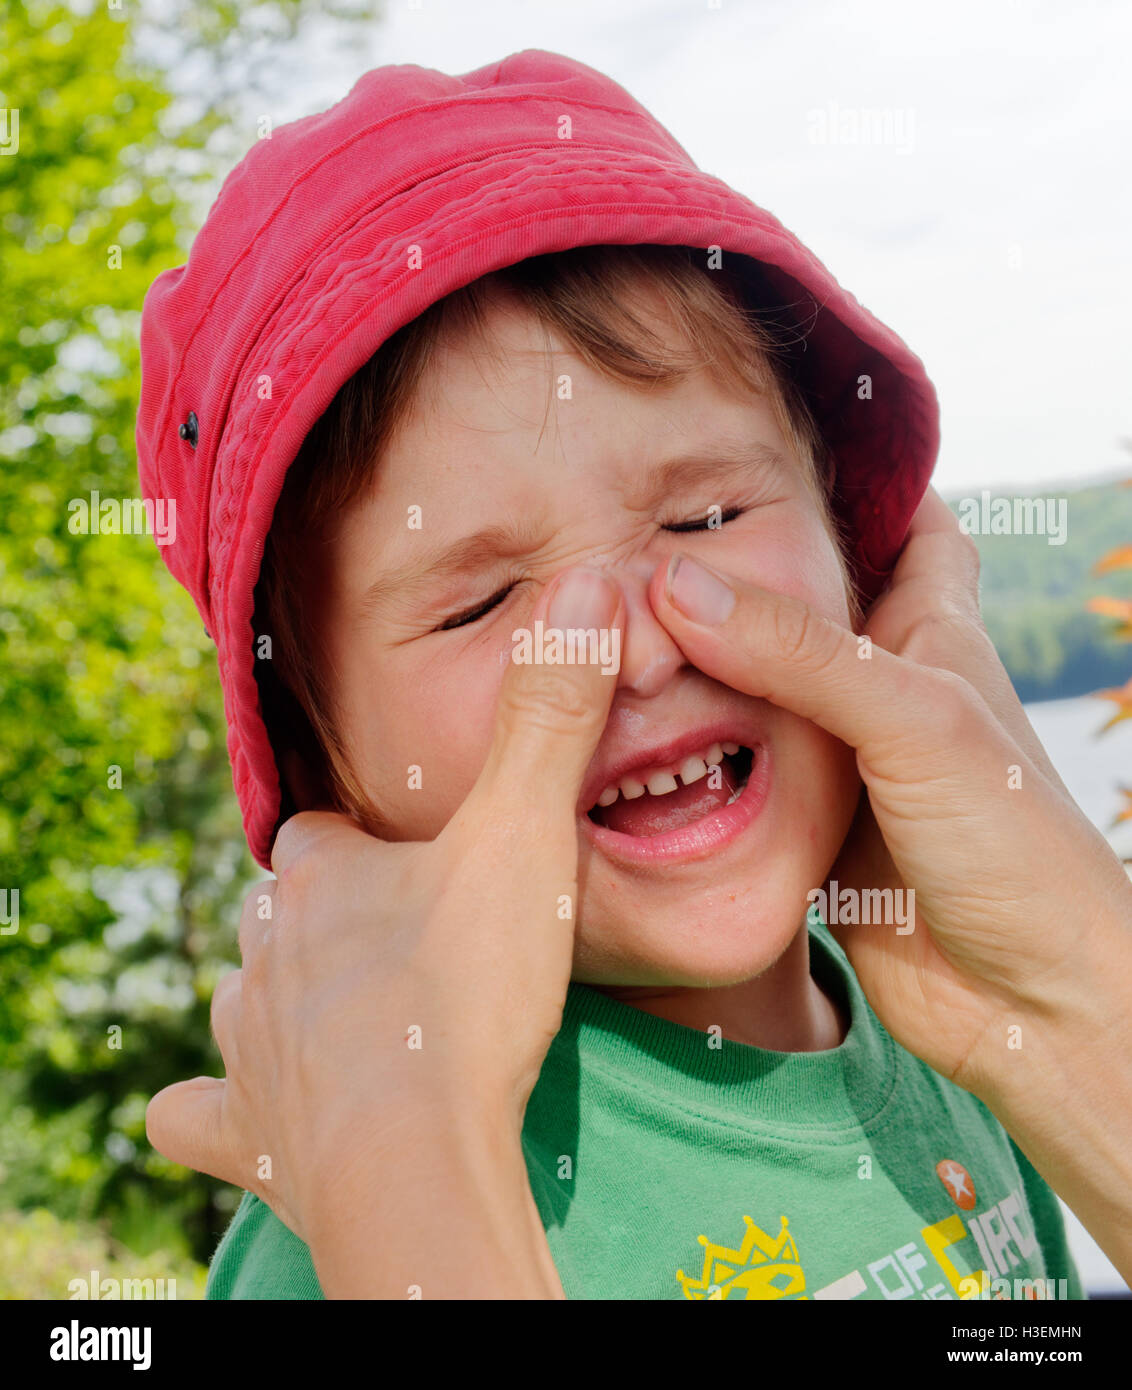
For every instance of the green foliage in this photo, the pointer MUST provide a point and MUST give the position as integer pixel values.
(118, 827)
(128, 894)
(1034, 595)
(40, 1256)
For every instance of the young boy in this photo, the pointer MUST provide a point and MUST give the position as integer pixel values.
(431, 348)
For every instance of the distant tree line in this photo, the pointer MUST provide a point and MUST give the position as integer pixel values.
(1034, 595)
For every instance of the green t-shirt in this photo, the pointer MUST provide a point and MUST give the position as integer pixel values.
(668, 1163)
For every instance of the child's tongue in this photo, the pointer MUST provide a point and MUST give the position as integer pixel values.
(653, 815)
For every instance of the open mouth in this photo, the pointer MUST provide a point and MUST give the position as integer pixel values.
(656, 800)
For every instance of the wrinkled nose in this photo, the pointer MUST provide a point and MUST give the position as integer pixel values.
(649, 656)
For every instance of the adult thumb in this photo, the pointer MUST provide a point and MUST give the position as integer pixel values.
(185, 1123)
(554, 702)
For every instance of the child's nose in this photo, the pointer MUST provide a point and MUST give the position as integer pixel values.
(649, 656)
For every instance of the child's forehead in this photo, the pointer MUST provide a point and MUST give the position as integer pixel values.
(625, 447)
(514, 366)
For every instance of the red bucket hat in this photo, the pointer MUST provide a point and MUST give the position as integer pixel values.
(340, 228)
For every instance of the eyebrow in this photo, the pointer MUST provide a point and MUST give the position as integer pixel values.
(723, 461)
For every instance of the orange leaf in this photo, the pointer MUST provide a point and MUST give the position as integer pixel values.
(1110, 607)
(1122, 698)
(1120, 608)
(1118, 559)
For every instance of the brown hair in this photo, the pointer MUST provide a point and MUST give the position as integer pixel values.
(588, 295)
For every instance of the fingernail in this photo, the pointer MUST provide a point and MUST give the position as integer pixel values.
(583, 598)
(698, 592)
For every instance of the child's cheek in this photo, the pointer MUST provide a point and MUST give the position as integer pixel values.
(424, 758)
(804, 566)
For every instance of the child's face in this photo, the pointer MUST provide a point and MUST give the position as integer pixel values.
(491, 445)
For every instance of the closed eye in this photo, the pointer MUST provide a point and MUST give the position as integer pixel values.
(710, 522)
(474, 614)
(714, 519)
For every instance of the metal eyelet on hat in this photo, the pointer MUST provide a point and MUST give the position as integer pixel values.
(190, 430)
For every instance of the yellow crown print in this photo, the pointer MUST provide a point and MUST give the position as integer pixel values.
(760, 1268)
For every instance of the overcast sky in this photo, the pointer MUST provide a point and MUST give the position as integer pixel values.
(992, 230)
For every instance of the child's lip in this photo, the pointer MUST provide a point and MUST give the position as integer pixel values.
(700, 838)
(730, 729)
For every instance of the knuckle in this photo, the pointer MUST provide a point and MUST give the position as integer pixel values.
(255, 920)
(297, 837)
(936, 629)
(928, 630)
(968, 552)
(253, 901)
(548, 698)
(287, 839)
(954, 705)
(802, 637)
(227, 989)
(298, 878)
(956, 554)
(966, 565)
(792, 628)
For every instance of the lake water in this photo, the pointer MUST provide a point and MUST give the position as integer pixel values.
(1092, 767)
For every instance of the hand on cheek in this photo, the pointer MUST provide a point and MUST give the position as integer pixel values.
(935, 748)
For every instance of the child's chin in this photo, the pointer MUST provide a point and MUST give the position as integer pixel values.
(695, 954)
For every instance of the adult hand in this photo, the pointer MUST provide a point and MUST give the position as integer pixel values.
(393, 1012)
(1015, 981)
(963, 805)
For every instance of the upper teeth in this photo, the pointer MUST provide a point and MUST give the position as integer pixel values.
(661, 780)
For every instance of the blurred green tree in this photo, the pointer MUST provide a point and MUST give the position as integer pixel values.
(118, 827)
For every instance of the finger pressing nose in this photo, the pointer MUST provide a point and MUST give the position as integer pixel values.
(649, 654)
